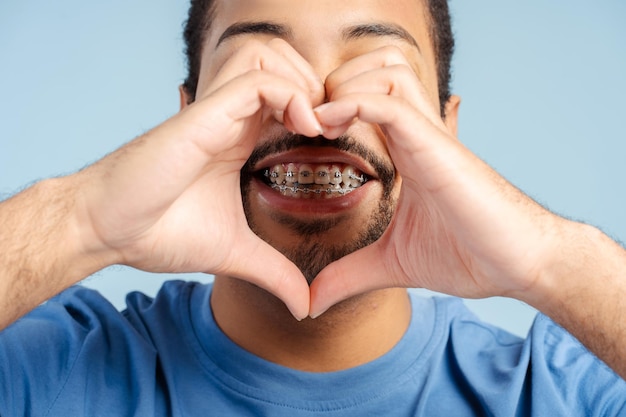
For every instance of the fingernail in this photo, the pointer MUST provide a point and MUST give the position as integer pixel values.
(322, 107)
(296, 316)
(318, 125)
(279, 116)
(319, 129)
(316, 112)
(317, 314)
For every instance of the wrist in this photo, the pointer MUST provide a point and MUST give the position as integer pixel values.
(40, 252)
(65, 249)
(584, 290)
(87, 253)
(583, 265)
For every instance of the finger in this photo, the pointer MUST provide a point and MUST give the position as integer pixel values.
(313, 80)
(360, 272)
(276, 57)
(387, 71)
(279, 116)
(242, 98)
(333, 132)
(396, 81)
(379, 58)
(411, 136)
(296, 108)
(257, 262)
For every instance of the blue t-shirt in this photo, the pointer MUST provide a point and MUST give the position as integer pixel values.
(77, 356)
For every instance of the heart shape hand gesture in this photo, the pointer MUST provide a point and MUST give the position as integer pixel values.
(170, 200)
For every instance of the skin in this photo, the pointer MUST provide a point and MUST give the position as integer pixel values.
(458, 227)
(361, 328)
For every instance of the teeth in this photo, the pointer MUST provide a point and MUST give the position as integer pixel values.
(277, 174)
(306, 175)
(336, 177)
(322, 175)
(334, 190)
(350, 179)
(306, 181)
(291, 174)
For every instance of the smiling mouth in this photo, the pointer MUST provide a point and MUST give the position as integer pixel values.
(295, 180)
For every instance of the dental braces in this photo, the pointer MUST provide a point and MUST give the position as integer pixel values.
(291, 174)
(308, 190)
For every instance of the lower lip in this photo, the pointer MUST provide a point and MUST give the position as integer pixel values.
(276, 201)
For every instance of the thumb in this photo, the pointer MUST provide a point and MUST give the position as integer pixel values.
(262, 265)
(359, 272)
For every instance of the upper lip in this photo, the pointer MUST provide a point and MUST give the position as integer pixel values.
(315, 155)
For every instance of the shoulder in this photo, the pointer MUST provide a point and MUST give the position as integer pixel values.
(548, 372)
(478, 348)
(45, 345)
(75, 337)
(568, 374)
(68, 317)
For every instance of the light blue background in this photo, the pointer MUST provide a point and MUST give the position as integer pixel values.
(543, 84)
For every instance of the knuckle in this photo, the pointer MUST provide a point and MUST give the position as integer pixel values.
(278, 44)
(253, 53)
(404, 72)
(392, 54)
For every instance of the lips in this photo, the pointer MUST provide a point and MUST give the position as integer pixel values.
(313, 172)
(291, 173)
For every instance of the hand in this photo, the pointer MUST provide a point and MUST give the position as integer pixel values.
(459, 228)
(170, 201)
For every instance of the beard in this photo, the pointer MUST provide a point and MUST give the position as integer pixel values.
(315, 250)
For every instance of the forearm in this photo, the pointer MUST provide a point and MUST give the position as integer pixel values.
(584, 290)
(41, 249)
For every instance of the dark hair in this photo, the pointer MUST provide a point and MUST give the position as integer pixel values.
(443, 44)
(201, 15)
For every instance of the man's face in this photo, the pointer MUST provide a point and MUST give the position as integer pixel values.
(317, 200)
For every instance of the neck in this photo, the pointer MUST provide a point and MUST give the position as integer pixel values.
(350, 334)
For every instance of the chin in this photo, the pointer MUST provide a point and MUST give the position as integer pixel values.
(317, 200)
(313, 238)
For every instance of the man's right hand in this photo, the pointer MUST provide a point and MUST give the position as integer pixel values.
(170, 200)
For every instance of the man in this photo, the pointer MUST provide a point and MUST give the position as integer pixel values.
(297, 147)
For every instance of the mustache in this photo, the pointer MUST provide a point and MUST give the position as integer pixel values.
(346, 143)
